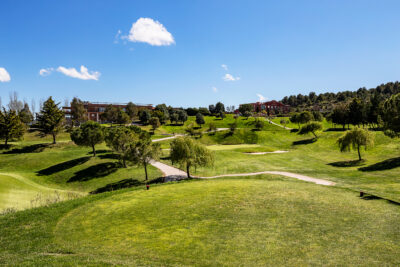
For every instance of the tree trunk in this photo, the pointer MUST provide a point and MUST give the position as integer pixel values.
(6, 141)
(145, 169)
(188, 170)
(124, 162)
(54, 138)
(94, 151)
(359, 154)
(315, 135)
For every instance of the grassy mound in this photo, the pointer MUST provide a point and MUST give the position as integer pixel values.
(257, 221)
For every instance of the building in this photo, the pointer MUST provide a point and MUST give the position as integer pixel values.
(95, 109)
(271, 107)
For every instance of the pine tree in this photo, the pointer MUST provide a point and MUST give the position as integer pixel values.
(10, 125)
(50, 119)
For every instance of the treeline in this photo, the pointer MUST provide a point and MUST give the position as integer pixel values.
(326, 101)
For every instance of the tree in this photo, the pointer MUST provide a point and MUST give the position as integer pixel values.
(211, 108)
(283, 122)
(122, 118)
(78, 111)
(258, 124)
(212, 127)
(295, 118)
(144, 151)
(110, 114)
(356, 111)
(219, 107)
(204, 111)
(14, 103)
(132, 110)
(50, 119)
(188, 153)
(119, 139)
(221, 115)
(245, 108)
(182, 116)
(247, 114)
(174, 118)
(355, 139)
(311, 127)
(161, 111)
(232, 127)
(144, 116)
(155, 123)
(25, 114)
(391, 116)
(317, 115)
(10, 125)
(305, 117)
(88, 134)
(200, 119)
(339, 115)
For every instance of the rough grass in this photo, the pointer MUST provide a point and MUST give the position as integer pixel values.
(264, 220)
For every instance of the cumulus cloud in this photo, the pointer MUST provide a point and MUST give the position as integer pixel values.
(261, 98)
(45, 72)
(229, 78)
(225, 67)
(215, 89)
(146, 30)
(4, 75)
(83, 74)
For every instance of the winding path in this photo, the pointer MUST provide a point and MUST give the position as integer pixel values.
(171, 173)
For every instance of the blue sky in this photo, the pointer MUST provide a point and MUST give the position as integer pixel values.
(276, 48)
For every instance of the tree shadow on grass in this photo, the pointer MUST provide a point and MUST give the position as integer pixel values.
(347, 163)
(63, 166)
(126, 183)
(96, 171)
(101, 151)
(109, 156)
(383, 165)
(294, 130)
(28, 149)
(305, 142)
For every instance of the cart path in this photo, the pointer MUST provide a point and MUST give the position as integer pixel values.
(178, 135)
(170, 171)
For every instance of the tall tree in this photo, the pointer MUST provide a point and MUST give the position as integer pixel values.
(144, 151)
(245, 107)
(155, 123)
(10, 125)
(355, 139)
(132, 110)
(356, 112)
(14, 103)
(200, 119)
(88, 134)
(119, 139)
(219, 107)
(25, 114)
(78, 111)
(110, 114)
(144, 116)
(50, 119)
(188, 153)
(391, 116)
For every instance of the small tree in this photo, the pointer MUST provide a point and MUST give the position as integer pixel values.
(119, 139)
(311, 127)
(174, 118)
(246, 108)
(10, 126)
(182, 116)
(155, 123)
(122, 118)
(200, 119)
(110, 114)
(132, 110)
(212, 127)
(391, 116)
(355, 139)
(78, 111)
(50, 119)
(25, 114)
(144, 151)
(221, 115)
(144, 116)
(247, 114)
(88, 134)
(258, 124)
(233, 127)
(188, 153)
(283, 122)
(295, 118)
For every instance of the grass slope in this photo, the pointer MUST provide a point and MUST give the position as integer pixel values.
(264, 220)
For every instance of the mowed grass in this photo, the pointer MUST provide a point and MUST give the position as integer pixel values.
(264, 220)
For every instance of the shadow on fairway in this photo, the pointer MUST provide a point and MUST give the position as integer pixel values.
(109, 156)
(383, 165)
(347, 163)
(335, 130)
(101, 151)
(96, 171)
(28, 149)
(126, 183)
(63, 166)
(304, 142)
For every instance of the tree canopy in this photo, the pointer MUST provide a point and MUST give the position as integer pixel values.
(355, 139)
(88, 134)
(10, 125)
(50, 119)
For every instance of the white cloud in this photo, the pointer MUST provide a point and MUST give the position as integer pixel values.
(215, 89)
(261, 98)
(4, 75)
(46, 72)
(225, 67)
(84, 74)
(229, 78)
(146, 30)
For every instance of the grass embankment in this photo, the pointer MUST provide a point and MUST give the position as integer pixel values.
(263, 220)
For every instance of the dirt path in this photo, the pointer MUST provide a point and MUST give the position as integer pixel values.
(287, 128)
(171, 173)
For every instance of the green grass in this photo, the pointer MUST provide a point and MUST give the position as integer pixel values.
(265, 220)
